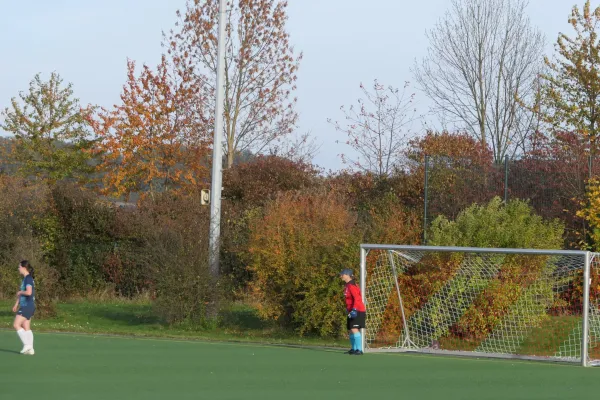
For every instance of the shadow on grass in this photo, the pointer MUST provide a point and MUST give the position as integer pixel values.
(242, 319)
(236, 317)
(126, 316)
(9, 351)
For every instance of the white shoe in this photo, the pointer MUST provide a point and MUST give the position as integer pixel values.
(29, 351)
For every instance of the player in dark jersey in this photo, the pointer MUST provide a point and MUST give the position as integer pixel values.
(356, 311)
(25, 307)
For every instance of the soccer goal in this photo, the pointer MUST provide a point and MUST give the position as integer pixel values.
(505, 303)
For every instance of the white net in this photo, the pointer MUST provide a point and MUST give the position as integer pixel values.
(501, 303)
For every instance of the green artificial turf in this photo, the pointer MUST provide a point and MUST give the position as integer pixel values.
(83, 367)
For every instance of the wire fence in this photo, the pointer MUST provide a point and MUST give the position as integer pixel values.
(555, 188)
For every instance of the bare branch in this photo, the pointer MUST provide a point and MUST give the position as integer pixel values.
(483, 57)
(380, 128)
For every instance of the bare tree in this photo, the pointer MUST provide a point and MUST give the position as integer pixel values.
(483, 63)
(379, 128)
(299, 148)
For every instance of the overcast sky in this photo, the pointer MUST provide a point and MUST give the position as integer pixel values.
(345, 42)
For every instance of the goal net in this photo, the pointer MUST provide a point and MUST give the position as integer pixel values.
(509, 303)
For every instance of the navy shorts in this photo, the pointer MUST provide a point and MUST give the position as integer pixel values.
(26, 312)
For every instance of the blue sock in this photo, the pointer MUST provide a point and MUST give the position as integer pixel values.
(357, 343)
(351, 340)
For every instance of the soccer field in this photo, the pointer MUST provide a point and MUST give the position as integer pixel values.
(98, 367)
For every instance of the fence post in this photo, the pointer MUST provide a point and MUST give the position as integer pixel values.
(426, 199)
(505, 179)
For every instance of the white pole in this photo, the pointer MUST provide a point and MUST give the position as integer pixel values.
(363, 288)
(217, 165)
(586, 310)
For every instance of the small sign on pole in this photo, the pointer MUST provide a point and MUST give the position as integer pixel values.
(205, 197)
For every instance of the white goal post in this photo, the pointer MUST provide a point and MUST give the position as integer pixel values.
(481, 302)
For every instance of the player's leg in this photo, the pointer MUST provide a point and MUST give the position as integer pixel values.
(356, 344)
(18, 325)
(350, 335)
(358, 323)
(28, 349)
(28, 336)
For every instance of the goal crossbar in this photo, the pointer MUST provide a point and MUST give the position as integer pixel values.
(482, 250)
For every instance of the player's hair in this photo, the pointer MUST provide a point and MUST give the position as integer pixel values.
(25, 264)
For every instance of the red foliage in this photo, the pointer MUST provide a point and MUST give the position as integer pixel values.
(553, 176)
(261, 179)
(461, 172)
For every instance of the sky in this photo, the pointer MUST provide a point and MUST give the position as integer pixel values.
(344, 42)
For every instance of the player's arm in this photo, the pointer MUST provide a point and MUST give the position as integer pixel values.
(16, 306)
(27, 292)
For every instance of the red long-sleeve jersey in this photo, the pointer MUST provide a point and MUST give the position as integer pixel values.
(353, 297)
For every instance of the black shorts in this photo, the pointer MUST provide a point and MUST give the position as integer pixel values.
(26, 312)
(358, 322)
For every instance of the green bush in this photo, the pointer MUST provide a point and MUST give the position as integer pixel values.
(235, 236)
(175, 255)
(96, 245)
(77, 237)
(514, 225)
(21, 204)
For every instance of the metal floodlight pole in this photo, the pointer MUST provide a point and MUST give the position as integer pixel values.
(217, 162)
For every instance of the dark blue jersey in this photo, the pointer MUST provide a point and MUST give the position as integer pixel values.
(27, 301)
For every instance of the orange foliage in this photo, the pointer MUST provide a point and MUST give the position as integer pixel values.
(157, 139)
(417, 285)
(297, 250)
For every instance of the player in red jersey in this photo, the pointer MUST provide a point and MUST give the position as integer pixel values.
(356, 311)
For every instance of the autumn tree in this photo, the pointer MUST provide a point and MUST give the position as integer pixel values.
(156, 139)
(51, 135)
(378, 128)
(260, 68)
(461, 172)
(484, 59)
(571, 88)
(553, 178)
(591, 212)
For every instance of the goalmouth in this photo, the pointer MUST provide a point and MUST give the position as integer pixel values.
(481, 302)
